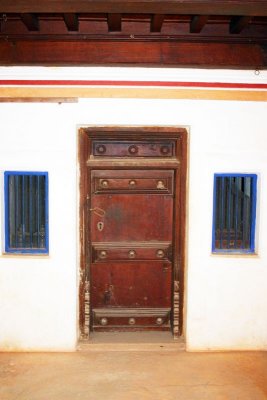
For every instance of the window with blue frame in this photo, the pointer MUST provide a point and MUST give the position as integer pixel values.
(26, 212)
(234, 213)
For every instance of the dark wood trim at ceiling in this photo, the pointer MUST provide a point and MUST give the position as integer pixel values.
(216, 55)
(187, 33)
(208, 7)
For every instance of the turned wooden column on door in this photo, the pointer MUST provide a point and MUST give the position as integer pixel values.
(133, 249)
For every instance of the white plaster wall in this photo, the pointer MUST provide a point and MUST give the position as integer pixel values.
(226, 295)
(226, 302)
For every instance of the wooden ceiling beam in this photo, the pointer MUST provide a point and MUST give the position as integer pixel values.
(237, 24)
(114, 22)
(71, 21)
(193, 7)
(197, 23)
(215, 55)
(31, 21)
(156, 22)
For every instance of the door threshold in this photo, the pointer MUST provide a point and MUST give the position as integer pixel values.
(132, 341)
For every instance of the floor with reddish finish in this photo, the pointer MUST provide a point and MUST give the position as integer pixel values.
(133, 370)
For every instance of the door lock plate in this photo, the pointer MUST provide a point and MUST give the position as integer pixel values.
(100, 226)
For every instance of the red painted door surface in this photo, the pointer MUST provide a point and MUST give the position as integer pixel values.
(131, 236)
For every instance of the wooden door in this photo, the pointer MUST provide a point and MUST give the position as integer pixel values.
(131, 247)
(132, 228)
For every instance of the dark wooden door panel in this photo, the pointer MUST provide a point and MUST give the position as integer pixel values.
(131, 284)
(132, 218)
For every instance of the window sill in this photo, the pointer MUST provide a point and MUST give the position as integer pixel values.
(27, 255)
(235, 254)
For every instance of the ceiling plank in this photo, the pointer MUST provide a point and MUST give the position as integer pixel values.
(193, 7)
(71, 21)
(31, 21)
(237, 24)
(196, 54)
(197, 23)
(114, 22)
(156, 22)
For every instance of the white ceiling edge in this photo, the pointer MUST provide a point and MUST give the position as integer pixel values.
(133, 74)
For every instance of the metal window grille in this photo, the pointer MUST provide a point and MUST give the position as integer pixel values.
(26, 212)
(234, 212)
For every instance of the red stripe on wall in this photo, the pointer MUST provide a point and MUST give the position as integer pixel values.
(213, 85)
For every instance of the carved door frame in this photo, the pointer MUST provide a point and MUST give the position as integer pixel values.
(177, 163)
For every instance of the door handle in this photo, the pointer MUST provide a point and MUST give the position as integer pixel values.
(98, 211)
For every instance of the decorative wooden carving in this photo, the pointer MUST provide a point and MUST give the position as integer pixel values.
(87, 310)
(176, 308)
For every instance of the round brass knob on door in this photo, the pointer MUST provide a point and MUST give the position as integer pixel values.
(160, 185)
(103, 254)
(132, 183)
(101, 149)
(103, 321)
(160, 253)
(159, 321)
(104, 183)
(133, 149)
(164, 150)
(132, 254)
(131, 321)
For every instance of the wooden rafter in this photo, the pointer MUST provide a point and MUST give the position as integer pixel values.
(193, 7)
(71, 21)
(156, 22)
(31, 21)
(114, 22)
(237, 24)
(197, 23)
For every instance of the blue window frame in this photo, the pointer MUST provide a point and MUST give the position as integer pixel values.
(234, 213)
(26, 212)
